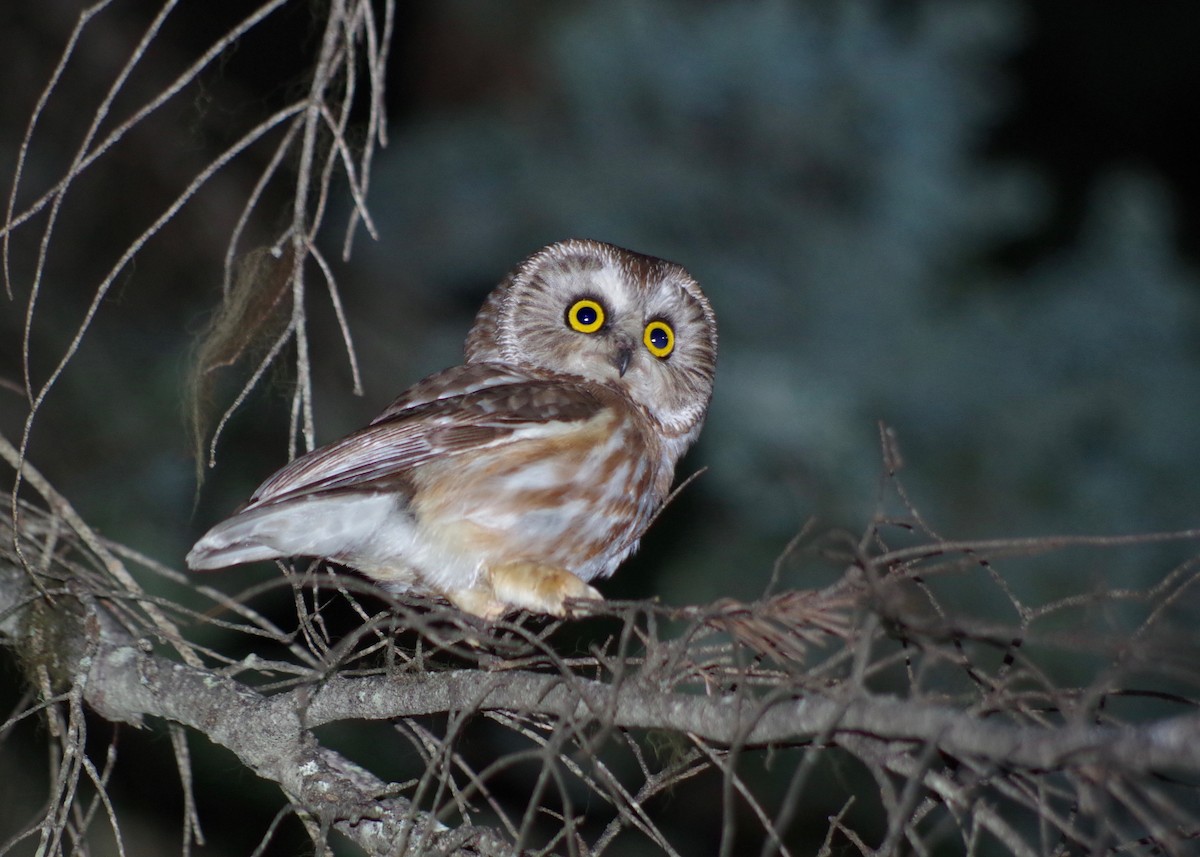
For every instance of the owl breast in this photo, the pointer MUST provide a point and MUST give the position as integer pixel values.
(577, 496)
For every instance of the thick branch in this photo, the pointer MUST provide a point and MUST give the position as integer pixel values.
(1168, 745)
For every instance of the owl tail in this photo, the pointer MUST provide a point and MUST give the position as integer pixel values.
(250, 536)
(331, 526)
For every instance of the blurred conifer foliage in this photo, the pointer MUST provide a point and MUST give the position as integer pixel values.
(820, 167)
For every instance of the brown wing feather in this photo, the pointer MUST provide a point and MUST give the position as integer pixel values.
(453, 382)
(457, 412)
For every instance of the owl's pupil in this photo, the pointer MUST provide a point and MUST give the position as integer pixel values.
(659, 338)
(586, 316)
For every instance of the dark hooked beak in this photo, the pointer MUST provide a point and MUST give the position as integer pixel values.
(622, 357)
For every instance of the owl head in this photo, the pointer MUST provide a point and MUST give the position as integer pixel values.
(612, 316)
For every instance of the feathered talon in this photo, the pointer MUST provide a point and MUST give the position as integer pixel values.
(541, 588)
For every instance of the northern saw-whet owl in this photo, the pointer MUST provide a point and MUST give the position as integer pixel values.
(513, 480)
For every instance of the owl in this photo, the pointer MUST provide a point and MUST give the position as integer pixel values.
(514, 480)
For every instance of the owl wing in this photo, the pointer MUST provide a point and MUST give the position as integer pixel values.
(460, 410)
(454, 382)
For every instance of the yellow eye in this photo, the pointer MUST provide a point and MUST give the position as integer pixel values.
(659, 338)
(586, 316)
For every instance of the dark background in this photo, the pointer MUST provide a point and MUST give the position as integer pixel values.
(972, 221)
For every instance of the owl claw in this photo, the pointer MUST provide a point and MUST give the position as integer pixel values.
(540, 588)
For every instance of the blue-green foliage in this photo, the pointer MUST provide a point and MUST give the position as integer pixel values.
(817, 167)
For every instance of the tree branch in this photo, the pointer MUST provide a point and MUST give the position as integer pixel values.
(1166, 745)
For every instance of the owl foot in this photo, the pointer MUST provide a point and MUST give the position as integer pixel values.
(528, 585)
(478, 602)
(537, 587)
(523, 585)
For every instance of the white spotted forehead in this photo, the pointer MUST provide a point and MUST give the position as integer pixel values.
(575, 269)
(623, 291)
(611, 283)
